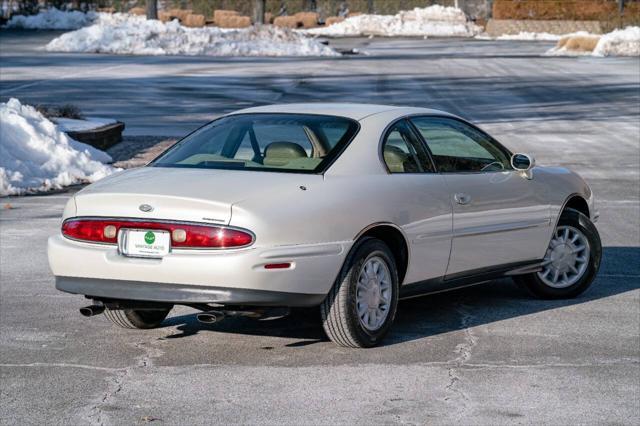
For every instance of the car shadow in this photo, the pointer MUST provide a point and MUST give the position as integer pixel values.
(438, 313)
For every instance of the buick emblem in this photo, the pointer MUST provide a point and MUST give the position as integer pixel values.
(146, 208)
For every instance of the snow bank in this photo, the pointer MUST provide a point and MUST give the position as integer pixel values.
(624, 42)
(53, 19)
(135, 35)
(36, 156)
(434, 20)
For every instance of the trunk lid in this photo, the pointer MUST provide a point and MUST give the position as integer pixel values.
(196, 195)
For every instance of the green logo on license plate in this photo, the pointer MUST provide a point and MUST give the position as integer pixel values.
(149, 238)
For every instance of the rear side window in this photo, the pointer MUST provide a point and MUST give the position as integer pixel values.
(263, 142)
(403, 152)
(458, 147)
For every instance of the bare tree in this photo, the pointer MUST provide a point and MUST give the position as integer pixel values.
(152, 9)
(258, 11)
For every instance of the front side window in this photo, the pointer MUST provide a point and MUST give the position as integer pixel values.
(403, 152)
(267, 142)
(458, 148)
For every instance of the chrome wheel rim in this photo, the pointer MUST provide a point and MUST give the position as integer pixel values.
(373, 293)
(566, 259)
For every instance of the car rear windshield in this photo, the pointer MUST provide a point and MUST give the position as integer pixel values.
(263, 142)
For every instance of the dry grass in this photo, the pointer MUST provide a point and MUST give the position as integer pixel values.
(221, 14)
(306, 19)
(587, 10)
(194, 21)
(60, 111)
(180, 14)
(233, 21)
(286, 22)
(138, 11)
(164, 16)
(333, 20)
(578, 43)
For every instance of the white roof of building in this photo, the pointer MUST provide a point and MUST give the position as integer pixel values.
(349, 110)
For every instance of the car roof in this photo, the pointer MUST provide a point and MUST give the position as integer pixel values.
(350, 110)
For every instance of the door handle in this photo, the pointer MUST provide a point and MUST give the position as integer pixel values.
(462, 198)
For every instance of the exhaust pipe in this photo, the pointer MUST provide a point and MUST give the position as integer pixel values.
(210, 317)
(89, 311)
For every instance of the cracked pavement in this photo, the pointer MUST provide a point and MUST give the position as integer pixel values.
(489, 354)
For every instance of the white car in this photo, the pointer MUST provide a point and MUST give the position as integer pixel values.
(344, 206)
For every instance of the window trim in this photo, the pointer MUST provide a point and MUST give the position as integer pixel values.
(385, 133)
(330, 159)
(490, 139)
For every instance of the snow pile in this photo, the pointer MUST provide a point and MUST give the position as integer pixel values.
(619, 43)
(438, 21)
(36, 156)
(135, 35)
(624, 42)
(53, 19)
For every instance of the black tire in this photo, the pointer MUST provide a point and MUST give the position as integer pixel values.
(538, 288)
(133, 318)
(338, 311)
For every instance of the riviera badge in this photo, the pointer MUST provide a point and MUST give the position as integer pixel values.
(146, 208)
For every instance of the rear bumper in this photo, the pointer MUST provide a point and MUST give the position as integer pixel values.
(182, 294)
(192, 276)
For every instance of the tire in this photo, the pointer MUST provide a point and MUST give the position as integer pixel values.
(571, 219)
(132, 318)
(339, 311)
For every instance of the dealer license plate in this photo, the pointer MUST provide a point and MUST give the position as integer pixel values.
(144, 243)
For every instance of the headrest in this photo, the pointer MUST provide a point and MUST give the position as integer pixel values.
(280, 153)
(395, 158)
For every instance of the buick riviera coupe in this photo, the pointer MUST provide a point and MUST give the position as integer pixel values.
(344, 207)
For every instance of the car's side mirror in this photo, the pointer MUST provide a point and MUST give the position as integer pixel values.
(522, 162)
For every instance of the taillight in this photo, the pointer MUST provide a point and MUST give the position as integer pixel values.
(183, 235)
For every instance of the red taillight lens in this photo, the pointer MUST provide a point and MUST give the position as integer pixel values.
(183, 235)
(88, 230)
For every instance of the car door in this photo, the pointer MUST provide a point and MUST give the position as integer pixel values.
(420, 201)
(499, 214)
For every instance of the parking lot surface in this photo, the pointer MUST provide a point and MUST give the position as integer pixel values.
(489, 354)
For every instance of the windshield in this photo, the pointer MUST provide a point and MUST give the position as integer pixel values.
(263, 142)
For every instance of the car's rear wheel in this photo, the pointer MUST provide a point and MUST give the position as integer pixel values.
(571, 261)
(137, 318)
(361, 306)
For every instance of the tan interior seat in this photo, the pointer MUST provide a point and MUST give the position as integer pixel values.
(395, 158)
(281, 153)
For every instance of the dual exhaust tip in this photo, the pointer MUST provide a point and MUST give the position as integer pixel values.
(91, 310)
(208, 317)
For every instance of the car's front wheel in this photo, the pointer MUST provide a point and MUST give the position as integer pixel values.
(137, 318)
(361, 306)
(571, 261)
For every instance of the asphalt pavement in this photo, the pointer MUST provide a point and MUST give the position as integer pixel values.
(490, 354)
